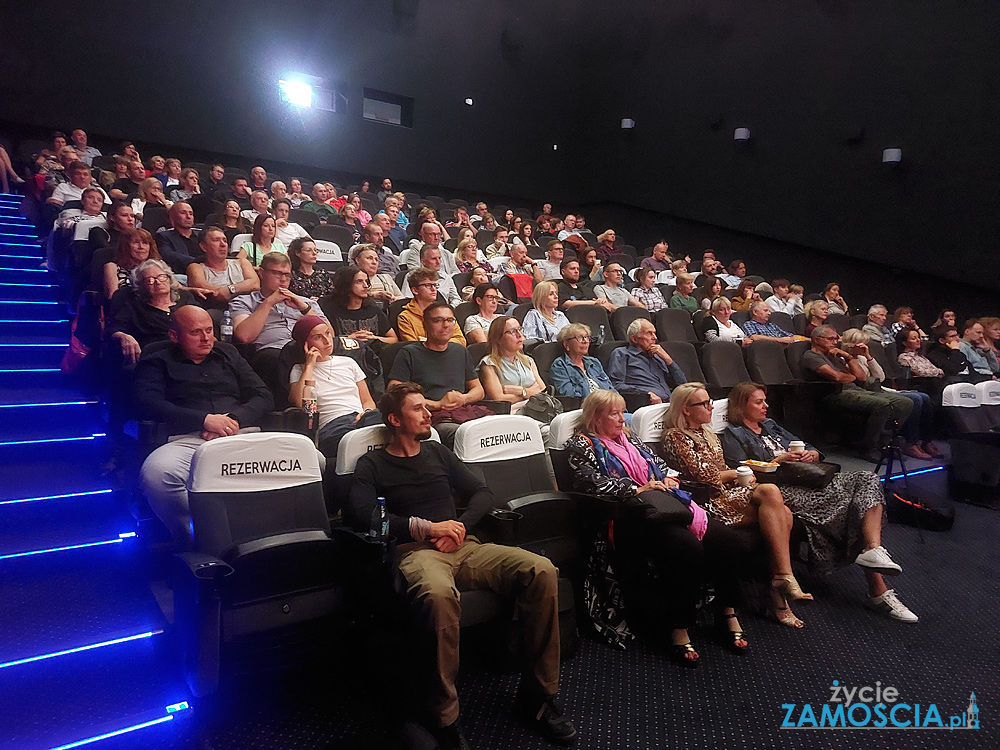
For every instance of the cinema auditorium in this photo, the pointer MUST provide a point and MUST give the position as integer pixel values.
(489, 374)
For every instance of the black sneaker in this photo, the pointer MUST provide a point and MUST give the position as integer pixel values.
(544, 715)
(451, 737)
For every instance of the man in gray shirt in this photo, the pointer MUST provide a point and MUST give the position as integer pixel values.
(266, 318)
(553, 260)
(612, 289)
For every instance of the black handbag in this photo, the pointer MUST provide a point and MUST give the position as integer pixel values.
(800, 474)
(657, 506)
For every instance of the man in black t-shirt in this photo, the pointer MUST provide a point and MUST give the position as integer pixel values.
(419, 479)
(441, 366)
(826, 362)
(572, 293)
(127, 188)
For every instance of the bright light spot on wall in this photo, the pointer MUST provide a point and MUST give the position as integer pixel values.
(468, 102)
(555, 146)
(296, 93)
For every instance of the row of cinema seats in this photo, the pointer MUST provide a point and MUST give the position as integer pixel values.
(269, 574)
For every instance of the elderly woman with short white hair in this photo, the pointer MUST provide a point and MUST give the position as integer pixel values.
(718, 326)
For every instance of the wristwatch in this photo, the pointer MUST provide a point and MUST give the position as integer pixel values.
(232, 289)
(524, 393)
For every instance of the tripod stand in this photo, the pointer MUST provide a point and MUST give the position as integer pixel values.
(896, 503)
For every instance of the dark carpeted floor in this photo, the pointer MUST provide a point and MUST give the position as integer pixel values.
(639, 699)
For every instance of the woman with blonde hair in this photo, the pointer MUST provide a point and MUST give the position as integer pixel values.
(150, 193)
(816, 312)
(507, 373)
(692, 449)
(609, 461)
(544, 320)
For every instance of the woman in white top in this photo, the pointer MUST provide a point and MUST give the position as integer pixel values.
(506, 372)
(342, 396)
(476, 326)
(263, 241)
(717, 325)
(151, 192)
(544, 320)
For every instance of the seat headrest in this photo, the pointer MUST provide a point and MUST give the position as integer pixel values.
(989, 392)
(358, 442)
(254, 462)
(329, 251)
(497, 438)
(562, 428)
(720, 415)
(965, 395)
(647, 422)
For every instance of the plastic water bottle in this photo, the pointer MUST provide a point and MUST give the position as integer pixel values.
(379, 529)
(600, 336)
(309, 405)
(226, 328)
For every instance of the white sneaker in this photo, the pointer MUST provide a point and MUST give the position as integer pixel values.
(878, 559)
(889, 605)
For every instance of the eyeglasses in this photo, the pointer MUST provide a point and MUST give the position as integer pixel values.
(613, 270)
(279, 274)
(515, 331)
(449, 321)
(581, 339)
(426, 284)
(491, 297)
(707, 403)
(830, 338)
(162, 277)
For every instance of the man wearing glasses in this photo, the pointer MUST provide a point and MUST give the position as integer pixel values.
(442, 367)
(612, 289)
(423, 285)
(826, 362)
(265, 318)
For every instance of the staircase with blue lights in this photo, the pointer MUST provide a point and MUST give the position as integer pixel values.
(82, 658)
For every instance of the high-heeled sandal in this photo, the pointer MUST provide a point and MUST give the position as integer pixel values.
(783, 614)
(679, 652)
(730, 638)
(790, 588)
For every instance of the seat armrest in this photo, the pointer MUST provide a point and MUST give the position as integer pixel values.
(205, 567)
(308, 536)
(497, 407)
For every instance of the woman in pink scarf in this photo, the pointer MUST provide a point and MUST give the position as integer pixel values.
(607, 460)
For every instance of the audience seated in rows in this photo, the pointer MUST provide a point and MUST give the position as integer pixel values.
(826, 362)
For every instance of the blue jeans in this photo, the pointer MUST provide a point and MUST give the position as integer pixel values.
(333, 431)
(921, 421)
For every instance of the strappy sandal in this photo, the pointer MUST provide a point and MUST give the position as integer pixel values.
(679, 652)
(787, 586)
(731, 638)
(783, 614)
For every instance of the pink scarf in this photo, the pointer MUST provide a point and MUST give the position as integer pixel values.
(630, 458)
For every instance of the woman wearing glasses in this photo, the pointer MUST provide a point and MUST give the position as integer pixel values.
(486, 297)
(351, 312)
(574, 373)
(692, 448)
(507, 374)
(544, 320)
